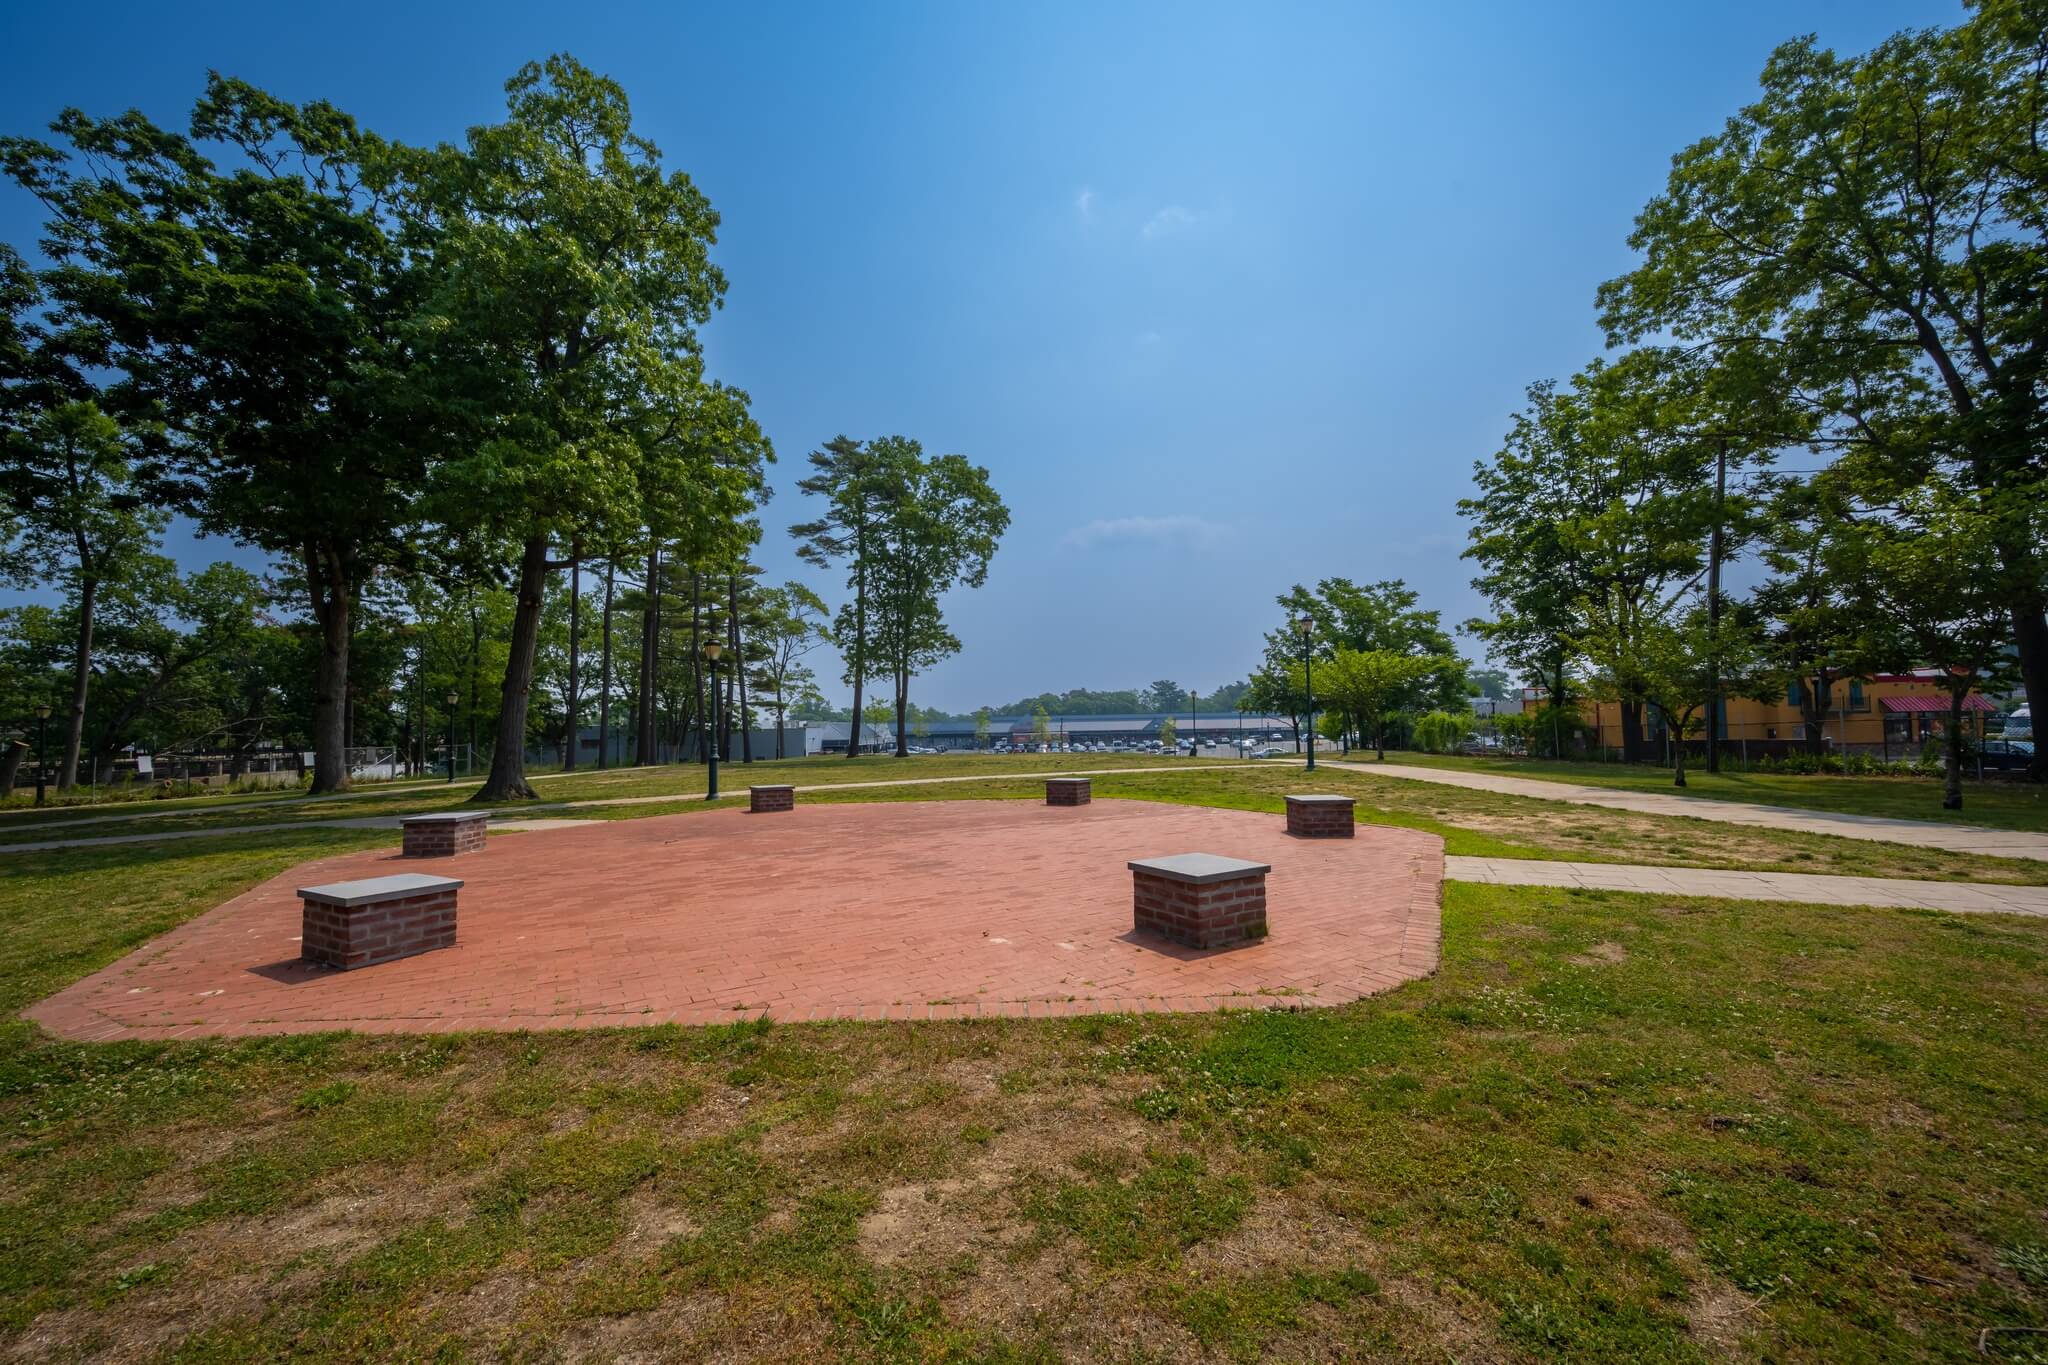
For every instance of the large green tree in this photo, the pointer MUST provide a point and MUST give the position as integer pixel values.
(853, 479)
(1817, 628)
(942, 523)
(791, 623)
(83, 523)
(255, 315)
(1876, 222)
(569, 274)
(1604, 493)
(1930, 567)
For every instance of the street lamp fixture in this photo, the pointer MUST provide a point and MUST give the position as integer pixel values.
(42, 717)
(712, 649)
(453, 698)
(1305, 628)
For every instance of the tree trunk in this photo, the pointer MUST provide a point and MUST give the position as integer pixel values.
(507, 780)
(1813, 710)
(604, 675)
(902, 706)
(327, 580)
(10, 766)
(739, 670)
(81, 679)
(1631, 731)
(574, 742)
(1677, 734)
(643, 705)
(700, 724)
(1952, 795)
(725, 717)
(654, 658)
(2030, 642)
(860, 653)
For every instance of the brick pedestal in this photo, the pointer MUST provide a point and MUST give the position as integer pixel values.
(1067, 791)
(1321, 817)
(379, 919)
(445, 834)
(761, 799)
(1200, 899)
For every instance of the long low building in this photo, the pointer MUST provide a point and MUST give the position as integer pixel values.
(1217, 727)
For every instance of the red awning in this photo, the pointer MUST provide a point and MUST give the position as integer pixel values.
(1972, 702)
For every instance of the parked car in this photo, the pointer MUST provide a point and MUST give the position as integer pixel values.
(1271, 751)
(2007, 755)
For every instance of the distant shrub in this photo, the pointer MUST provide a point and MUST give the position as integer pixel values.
(1800, 763)
(1439, 732)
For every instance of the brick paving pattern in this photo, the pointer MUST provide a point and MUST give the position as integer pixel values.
(904, 910)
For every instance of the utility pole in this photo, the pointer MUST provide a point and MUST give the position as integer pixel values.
(1714, 606)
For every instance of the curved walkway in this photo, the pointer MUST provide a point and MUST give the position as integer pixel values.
(1729, 884)
(1991, 843)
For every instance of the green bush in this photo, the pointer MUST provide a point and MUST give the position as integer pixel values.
(1800, 763)
(1439, 732)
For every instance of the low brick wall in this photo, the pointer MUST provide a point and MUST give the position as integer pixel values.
(361, 924)
(445, 833)
(771, 798)
(1200, 900)
(1321, 817)
(1068, 791)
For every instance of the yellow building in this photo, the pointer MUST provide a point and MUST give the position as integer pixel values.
(1891, 714)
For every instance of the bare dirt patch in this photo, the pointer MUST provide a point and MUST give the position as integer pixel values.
(1717, 1314)
(1605, 954)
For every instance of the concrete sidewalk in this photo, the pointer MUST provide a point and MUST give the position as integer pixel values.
(1810, 888)
(1990, 843)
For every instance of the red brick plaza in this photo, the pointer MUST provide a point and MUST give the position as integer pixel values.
(898, 910)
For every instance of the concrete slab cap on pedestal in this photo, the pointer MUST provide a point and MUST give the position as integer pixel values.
(774, 787)
(446, 817)
(1198, 868)
(1320, 799)
(377, 889)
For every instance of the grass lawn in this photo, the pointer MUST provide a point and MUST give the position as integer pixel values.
(1998, 804)
(1610, 1128)
(681, 780)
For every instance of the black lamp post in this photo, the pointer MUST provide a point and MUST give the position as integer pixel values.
(712, 649)
(42, 721)
(1305, 627)
(453, 697)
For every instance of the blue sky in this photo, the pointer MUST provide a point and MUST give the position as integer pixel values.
(1225, 297)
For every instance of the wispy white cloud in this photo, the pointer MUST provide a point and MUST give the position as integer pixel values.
(1150, 338)
(1084, 203)
(1193, 532)
(1168, 221)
